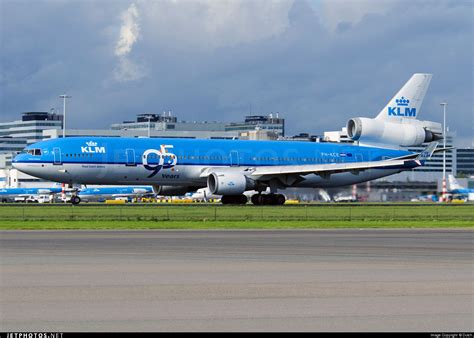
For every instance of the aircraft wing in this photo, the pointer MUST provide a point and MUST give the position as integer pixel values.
(143, 193)
(120, 195)
(291, 172)
(332, 168)
(47, 192)
(325, 170)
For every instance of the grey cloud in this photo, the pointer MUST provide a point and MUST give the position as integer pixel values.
(316, 77)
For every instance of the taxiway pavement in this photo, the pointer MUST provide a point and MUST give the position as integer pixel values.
(288, 280)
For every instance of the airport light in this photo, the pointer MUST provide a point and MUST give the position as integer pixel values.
(444, 104)
(64, 97)
(149, 117)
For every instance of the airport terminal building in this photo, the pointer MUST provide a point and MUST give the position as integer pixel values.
(162, 124)
(35, 126)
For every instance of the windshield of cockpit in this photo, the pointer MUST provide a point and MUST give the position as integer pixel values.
(34, 152)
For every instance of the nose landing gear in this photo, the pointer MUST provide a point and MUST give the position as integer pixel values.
(75, 200)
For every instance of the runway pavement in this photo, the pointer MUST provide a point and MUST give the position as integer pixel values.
(315, 280)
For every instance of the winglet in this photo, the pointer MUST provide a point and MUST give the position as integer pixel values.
(427, 152)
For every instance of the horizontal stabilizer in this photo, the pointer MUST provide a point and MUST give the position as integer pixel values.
(427, 152)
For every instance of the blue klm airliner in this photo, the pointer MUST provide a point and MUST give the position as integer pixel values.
(231, 167)
(101, 193)
(457, 189)
(8, 194)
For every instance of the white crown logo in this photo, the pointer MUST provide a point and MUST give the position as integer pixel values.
(91, 143)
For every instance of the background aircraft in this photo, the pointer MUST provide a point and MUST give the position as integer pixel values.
(457, 189)
(27, 194)
(103, 193)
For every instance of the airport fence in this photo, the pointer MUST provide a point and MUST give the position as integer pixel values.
(236, 213)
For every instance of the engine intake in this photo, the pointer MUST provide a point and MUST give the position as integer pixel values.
(229, 183)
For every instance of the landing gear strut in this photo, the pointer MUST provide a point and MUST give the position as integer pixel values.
(268, 199)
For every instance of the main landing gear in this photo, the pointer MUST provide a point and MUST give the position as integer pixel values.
(257, 199)
(268, 199)
(234, 199)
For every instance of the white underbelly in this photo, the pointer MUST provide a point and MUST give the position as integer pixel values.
(346, 178)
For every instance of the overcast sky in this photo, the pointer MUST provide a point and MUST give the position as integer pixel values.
(316, 62)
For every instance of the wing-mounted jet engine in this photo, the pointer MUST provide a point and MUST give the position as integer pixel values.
(396, 124)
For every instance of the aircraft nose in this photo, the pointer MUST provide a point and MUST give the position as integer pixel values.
(15, 161)
(20, 162)
(17, 164)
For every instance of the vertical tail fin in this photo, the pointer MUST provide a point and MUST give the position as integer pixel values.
(453, 183)
(407, 102)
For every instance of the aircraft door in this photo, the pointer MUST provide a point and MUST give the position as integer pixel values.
(130, 157)
(234, 158)
(57, 156)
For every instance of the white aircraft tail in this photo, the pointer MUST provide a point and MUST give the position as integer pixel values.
(453, 183)
(407, 102)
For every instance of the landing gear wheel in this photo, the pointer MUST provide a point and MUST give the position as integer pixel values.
(280, 199)
(270, 199)
(255, 199)
(234, 199)
(75, 200)
(259, 199)
(243, 199)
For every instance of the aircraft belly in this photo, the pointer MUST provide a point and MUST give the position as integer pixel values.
(116, 174)
(178, 175)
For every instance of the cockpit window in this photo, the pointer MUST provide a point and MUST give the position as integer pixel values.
(34, 152)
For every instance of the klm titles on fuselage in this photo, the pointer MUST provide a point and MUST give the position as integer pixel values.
(92, 148)
(402, 108)
(165, 159)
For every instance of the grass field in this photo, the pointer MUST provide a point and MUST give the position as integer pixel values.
(234, 217)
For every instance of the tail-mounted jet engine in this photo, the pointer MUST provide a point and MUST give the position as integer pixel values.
(407, 132)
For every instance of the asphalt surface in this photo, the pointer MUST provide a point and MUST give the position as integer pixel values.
(320, 280)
